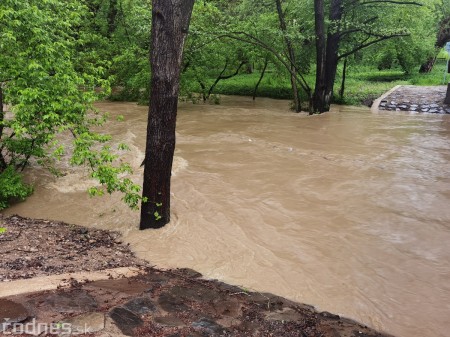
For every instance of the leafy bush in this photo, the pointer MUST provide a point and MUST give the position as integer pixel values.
(12, 187)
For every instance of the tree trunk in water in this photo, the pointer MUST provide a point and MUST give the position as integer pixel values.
(327, 53)
(291, 53)
(319, 26)
(297, 103)
(170, 23)
(332, 57)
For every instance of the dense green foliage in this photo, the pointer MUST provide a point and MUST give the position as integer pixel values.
(48, 78)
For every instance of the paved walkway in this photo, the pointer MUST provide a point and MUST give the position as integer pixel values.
(415, 99)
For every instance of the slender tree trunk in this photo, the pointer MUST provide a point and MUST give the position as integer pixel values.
(344, 74)
(266, 62)
(224, 77)
(427, 67)
(291, 53)
(170, 23)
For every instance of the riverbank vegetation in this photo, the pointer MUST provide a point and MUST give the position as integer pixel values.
(58, 57)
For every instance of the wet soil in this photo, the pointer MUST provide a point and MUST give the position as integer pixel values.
(155, 303)
(31, 248)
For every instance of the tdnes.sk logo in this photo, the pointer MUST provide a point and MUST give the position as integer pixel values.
(35, 328)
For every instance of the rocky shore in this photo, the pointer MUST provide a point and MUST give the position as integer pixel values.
(154, 302)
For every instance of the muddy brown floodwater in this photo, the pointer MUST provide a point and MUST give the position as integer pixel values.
(347, 211)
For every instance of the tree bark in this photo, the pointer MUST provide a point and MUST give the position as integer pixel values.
(332, 57)
(344, 74)
(291, 53)
(327, 53)
(266, 62)
(170, 23)
(319, 26)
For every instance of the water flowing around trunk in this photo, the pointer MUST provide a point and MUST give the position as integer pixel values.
(347, 211)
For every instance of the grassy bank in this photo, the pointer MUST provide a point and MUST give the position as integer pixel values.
(362, 84)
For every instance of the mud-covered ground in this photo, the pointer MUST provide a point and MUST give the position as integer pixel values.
(30, 248)
(175, 303)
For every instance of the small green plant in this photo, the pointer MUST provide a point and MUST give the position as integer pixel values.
(13, 187)
(157, 216)
(2, 230)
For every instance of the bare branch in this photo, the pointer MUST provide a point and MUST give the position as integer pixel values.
(365, 45)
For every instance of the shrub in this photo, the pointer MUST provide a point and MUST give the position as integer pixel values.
(12, 187)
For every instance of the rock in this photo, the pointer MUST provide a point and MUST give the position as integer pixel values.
(424, 109)
(171, 303)
(403, 107)
(86, 323)
(170, 321)
(209, 325)
(125, 320)
(434, 106)
(73, 301)
(433, 111)
(140, 305)
(285, 315)
(11, 312)
(126, 286)
(328, 315)
(190, 273)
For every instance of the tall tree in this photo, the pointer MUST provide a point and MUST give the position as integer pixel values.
(170, 23)
(346, 21)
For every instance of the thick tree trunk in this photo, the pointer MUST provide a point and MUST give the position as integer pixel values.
(170, 23)
(319, 26)
(327, 53)
(332, 57)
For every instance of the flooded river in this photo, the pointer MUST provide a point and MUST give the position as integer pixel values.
(348, 211)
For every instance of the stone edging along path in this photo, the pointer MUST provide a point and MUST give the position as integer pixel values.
(414, 99)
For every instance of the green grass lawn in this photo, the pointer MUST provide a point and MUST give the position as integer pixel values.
(362, 83)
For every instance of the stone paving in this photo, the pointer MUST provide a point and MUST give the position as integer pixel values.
(416, 99)
(167, 303)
